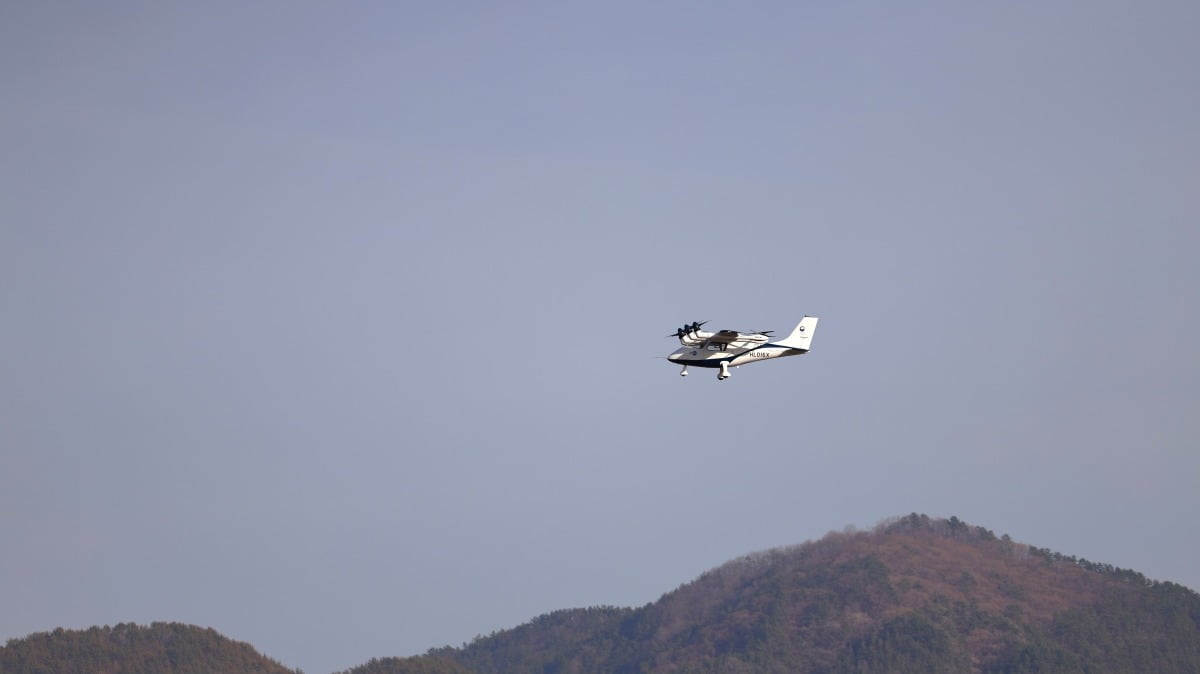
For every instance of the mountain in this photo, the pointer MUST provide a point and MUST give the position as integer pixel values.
(914, 595)
(419, 665)
(161, 648)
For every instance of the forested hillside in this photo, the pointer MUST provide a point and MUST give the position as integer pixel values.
(418, 665)
(914, 595)
(161, 648)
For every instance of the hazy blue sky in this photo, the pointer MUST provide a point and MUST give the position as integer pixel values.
(336, 326)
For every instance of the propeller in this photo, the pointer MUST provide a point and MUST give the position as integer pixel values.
(687, 329)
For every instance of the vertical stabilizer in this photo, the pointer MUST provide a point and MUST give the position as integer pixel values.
(801, 337)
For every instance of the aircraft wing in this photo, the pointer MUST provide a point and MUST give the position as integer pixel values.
(732, 340)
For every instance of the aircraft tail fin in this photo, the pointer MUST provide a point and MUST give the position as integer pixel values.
(801, 337)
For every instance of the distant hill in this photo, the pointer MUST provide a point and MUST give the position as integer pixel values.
(161, 648)
(417, 665)
(914, 595)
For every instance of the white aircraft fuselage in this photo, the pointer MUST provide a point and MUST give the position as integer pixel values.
(728, 348)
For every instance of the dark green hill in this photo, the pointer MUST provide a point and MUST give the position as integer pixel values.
(914, 595)
(161, 648)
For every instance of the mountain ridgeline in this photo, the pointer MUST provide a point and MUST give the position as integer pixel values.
(127, 648)
(915, 594)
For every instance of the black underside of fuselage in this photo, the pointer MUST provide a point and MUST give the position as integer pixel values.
(715, 363)
(699, 363)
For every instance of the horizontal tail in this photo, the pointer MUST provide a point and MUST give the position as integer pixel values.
(801, 337)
